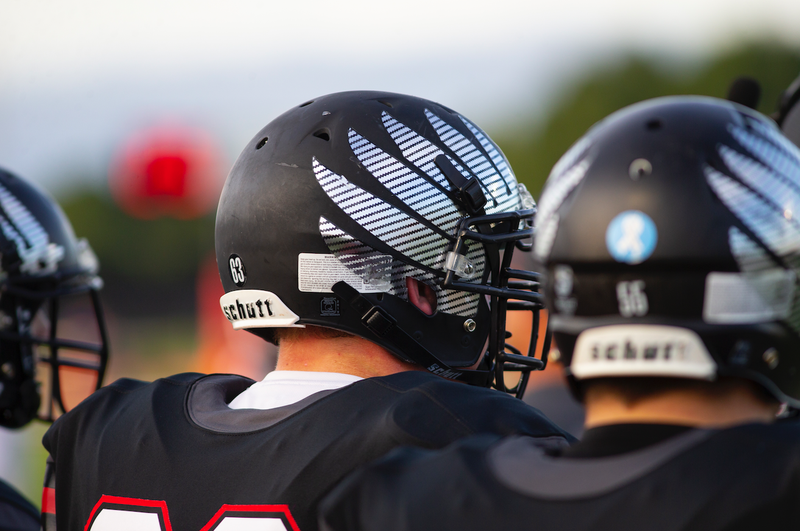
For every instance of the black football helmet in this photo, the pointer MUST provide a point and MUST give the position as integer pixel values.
(788, 114)
(42, 266)
(671, 238)
(338, 204)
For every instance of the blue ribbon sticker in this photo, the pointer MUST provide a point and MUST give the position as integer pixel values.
(631, 237)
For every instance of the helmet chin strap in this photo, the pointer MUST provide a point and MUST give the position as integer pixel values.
(385, 326)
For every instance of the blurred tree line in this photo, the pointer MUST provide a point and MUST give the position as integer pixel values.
(534, 148)
(150, 266)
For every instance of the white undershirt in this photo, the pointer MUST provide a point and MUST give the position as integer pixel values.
(281, 388)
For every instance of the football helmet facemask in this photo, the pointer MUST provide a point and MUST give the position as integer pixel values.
(42, 269)
(342, 209)
(671, 242)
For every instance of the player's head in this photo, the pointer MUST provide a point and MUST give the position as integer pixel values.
(42, 267)
(381, 215)
(671, 240)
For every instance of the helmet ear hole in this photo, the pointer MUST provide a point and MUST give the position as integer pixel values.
(421, 295)
(324, 134)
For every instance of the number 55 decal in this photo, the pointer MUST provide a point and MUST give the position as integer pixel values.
(632, 299)
(114, 513)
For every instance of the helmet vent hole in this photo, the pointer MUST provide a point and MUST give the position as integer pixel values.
(324, 134)
(307, 103)
(654, 124)
(262, 142)
(386, 103)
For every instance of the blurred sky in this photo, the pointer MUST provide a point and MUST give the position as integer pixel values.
(79, 76)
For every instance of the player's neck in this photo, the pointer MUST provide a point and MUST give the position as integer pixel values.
(684, 407)
(347, 355)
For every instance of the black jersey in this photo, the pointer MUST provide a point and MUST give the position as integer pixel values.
(172, 455)
(16, 512)
(747, 477)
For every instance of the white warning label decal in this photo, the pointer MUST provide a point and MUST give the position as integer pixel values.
(733, 298)
(318, 272)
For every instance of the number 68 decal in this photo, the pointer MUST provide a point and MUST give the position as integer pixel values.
(114, 513)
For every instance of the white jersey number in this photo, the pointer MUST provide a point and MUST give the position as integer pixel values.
(113, 513)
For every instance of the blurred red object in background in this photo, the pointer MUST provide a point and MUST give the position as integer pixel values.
(167, 170)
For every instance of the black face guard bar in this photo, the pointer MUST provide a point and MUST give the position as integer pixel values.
(53, 343)
(508, 289)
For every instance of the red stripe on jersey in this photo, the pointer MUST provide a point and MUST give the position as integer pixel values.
(49, 500)
(253, 508)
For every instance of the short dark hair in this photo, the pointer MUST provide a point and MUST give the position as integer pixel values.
(316, 332)
(274, 335)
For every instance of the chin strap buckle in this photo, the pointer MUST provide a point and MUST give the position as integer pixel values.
(377, 321)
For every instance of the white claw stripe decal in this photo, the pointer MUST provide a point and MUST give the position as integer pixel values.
(764, 194)
(568, 172)
(573, 155)
(406, 184)
(38, 255)
(363, 260)
(418, 183)
(775, 188)
(770, 139)
(417, 150)
(766, 221)
(495, 175)
(747, 253)
(404, 233)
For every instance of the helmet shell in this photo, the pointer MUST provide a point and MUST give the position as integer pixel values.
(677, 212)
(345, 187)
(42, 262)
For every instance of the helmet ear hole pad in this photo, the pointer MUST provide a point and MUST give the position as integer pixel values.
(421, 295)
